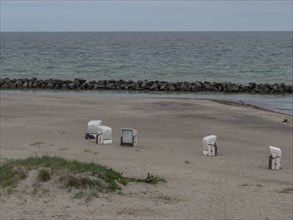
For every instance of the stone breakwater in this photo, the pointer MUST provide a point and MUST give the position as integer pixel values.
(146, 85)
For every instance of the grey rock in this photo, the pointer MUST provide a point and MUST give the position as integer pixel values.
(79, 81)
(171, 88)
(6, 85)
(71, 86)
(84, 85)
(35, 84)
(163, 86)
(96, 86)
(144, 84)
(50, 85)
(154, 86)
(209, 87)
(57, 86)
(30, 84)
(90, 86)
(110, 86)
(19, 83)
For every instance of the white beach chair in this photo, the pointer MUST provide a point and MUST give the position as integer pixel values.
(104, 135)
(92, 129)
(275, 158)
(128, 137)
(209, 145)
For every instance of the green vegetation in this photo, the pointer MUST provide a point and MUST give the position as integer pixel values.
(37, 143)
(287, 189)
(44, 175)
(88, 178)
(88, 195)
(88, 151)
(63, 148)
(12, 171)
(245, 184)
(149, 179)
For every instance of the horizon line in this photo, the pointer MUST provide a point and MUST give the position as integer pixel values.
(87, 31)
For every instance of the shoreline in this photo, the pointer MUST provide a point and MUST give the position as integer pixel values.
(264, 102)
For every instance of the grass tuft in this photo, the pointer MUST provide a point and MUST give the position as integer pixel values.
(150, 179)
(245, 184)
(87, 195)
(287, 189)
(37, 143)
(44, 175)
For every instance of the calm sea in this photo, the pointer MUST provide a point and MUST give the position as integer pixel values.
(241, 57)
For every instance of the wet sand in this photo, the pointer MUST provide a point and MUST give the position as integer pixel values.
(236, 184)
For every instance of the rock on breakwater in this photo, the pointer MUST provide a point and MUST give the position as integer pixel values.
(146, 85)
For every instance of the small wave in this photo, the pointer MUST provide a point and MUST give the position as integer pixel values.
(52, 67)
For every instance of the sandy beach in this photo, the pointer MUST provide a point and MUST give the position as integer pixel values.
(236, 184)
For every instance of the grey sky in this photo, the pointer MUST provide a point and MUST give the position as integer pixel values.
(178, 15)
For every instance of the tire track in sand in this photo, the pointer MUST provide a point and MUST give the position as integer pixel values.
(217, 200)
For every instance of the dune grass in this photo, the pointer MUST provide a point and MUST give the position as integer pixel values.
(88, 178)
(44, 175)
(149, 179)
(12, 171)
(287, 189)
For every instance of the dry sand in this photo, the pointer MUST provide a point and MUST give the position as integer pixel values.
(236, 184)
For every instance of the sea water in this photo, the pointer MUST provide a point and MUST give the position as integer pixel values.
(240, 57)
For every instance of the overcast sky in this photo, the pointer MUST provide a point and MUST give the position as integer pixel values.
(248, 15)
